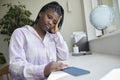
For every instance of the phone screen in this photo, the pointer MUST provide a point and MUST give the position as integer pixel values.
(76, 71)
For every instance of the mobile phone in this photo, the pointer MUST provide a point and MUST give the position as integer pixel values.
(76, 71)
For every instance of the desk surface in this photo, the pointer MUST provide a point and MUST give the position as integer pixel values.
(98, 65)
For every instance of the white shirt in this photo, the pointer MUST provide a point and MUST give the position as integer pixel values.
(29, 54)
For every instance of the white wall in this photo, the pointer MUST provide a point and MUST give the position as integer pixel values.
(74, 20)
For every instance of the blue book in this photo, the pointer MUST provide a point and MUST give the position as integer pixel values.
(76, 71)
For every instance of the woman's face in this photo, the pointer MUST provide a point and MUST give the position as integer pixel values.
(48, 19)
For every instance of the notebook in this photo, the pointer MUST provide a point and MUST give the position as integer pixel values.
(76, 71)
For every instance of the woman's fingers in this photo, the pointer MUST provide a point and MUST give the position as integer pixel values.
(58, 21)
(54, 66)
(61, 66)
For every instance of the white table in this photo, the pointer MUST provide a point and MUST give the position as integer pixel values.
(99, 65)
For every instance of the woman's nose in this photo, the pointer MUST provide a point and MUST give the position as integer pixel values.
(50, 22)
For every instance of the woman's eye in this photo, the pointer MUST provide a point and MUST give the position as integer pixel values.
(49, 17)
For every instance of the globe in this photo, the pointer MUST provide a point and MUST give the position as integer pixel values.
(102, 16)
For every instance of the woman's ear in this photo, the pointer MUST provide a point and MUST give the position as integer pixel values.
(40, 15)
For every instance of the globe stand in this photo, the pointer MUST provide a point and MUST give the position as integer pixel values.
(102, 31)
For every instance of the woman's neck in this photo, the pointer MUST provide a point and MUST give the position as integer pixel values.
(40, 32)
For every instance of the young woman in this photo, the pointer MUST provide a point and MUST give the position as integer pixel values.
(35, 51)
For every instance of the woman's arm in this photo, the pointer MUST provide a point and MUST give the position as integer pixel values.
(19, 66)
(61, 45)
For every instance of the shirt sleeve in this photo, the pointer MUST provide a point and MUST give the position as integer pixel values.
(61, 45)
(19, 67)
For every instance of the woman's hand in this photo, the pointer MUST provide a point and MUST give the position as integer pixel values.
(56, 29)
(54, 66)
